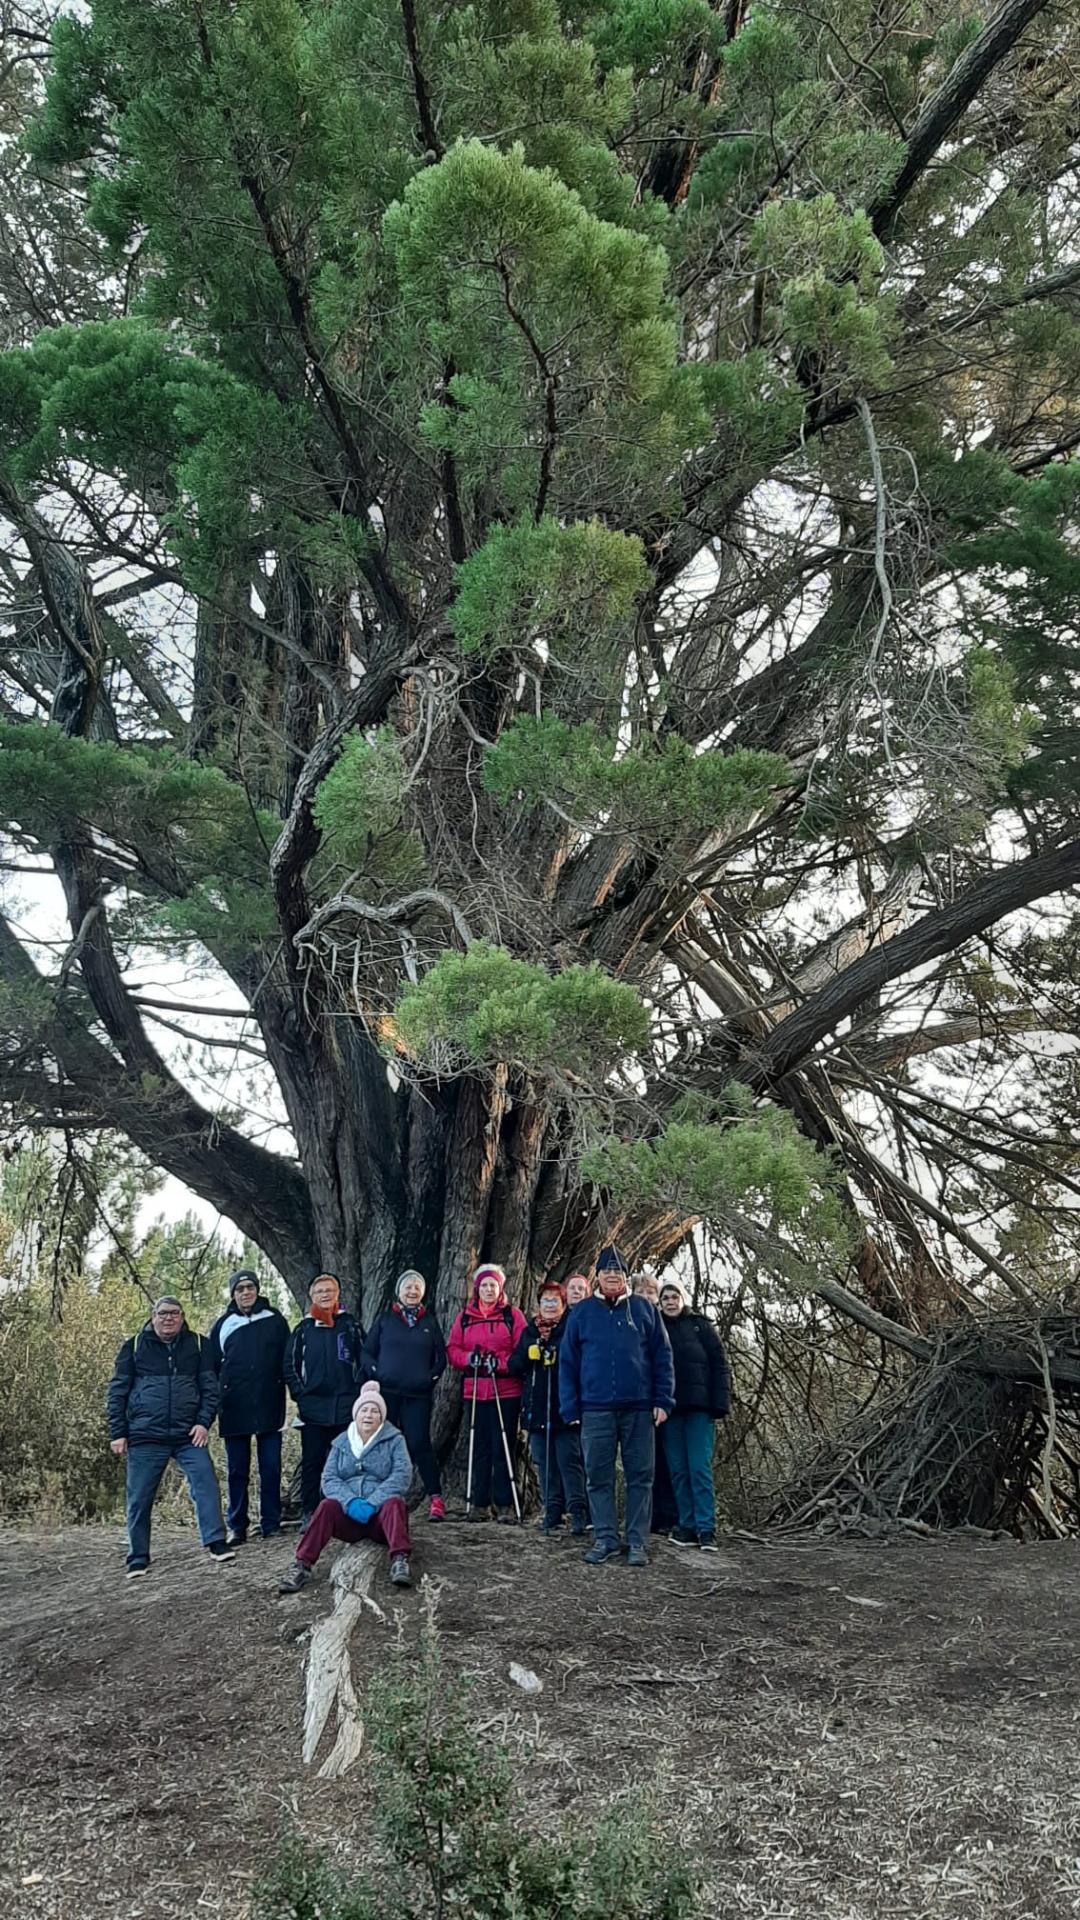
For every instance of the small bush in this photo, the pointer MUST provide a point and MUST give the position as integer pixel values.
(450, 1832)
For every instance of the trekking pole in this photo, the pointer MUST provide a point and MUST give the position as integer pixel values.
(506, 1451)
(547, 1438)
(475, 1365)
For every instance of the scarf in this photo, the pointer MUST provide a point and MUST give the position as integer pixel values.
(324, 1316)
(410, 1315)
(357, 1444)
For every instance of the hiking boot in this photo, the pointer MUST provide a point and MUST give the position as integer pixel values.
(271, 1533)
(707, 1542)
(437, 1509)
(399, 1570)
(683, 1537)
(598, 1554)
(505, 1517)
(637, 1557)
(578, 1529)
(296, 1578)
(136, 1569)
(478, 1513)
(235, 1539)
(219, 1551)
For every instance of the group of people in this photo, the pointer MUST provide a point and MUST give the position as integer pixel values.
(602, 1369)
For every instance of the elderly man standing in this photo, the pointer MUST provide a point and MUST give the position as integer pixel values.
(161, 1404)
(616, 1377)
(247, 1346)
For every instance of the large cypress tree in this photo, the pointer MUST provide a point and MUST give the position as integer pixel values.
(542, 550)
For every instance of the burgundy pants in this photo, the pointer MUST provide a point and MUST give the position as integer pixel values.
(331, 1522)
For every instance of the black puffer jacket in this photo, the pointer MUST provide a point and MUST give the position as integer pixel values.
(539, 1378)
(702, 1381)
(248, 1351)
(405, 1359)
(323, 1369)
(160, 1389)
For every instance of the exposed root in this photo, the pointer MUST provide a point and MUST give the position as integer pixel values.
(329, 1668)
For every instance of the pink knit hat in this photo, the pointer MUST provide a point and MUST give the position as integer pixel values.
(369, 1396)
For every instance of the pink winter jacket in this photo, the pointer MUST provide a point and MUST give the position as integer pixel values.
(496, 1333)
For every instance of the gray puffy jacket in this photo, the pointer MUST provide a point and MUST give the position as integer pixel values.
(383, 1472)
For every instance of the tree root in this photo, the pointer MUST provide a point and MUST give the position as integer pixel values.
(329, 1668)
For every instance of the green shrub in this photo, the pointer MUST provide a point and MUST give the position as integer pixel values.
(450, 1829)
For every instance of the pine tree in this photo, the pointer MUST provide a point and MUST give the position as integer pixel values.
(544, 553)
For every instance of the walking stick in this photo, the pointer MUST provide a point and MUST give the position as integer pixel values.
(506, 1452)
(547, 1439)
(475, 1364)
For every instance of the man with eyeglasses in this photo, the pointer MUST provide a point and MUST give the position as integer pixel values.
(161, 1404)
(247, 1346)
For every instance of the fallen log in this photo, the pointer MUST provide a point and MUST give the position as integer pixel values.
(329, 1683)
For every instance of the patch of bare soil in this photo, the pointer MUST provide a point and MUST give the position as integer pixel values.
(849, 1731)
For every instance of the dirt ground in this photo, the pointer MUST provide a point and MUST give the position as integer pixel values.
(850, 1731)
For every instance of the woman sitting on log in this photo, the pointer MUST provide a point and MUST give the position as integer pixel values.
(364, 1484)
(406, 1353)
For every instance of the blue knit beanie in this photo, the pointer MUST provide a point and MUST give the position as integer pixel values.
(611, 1261)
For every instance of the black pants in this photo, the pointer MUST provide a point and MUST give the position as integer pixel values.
(315, 1445)
(412, 1413)
(490, 1480)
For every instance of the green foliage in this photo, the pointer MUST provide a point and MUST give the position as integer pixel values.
(486, 1006)
(754, 1158)
(501, 263)
(358, 811)
(538, 580)
(1002, 732)
(192, 813)
(452, 1831)
(660, 789)
(799, 237)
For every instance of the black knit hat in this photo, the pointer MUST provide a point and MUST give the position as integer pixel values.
(238, 1278)
(611, 1261)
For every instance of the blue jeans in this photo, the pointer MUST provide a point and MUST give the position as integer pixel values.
(688, 1445)
(268, 1457)
(145, 1466)
(562, 1489)
(602, 1437)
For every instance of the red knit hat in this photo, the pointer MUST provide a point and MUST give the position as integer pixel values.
(489, 1272)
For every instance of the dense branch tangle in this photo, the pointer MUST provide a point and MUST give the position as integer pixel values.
(549, 553)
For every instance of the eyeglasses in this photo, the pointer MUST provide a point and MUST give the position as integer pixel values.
(168, 1313)
(246, 1287)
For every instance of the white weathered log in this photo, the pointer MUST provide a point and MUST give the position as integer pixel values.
(329, 1668)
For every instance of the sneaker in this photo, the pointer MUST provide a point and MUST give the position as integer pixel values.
(578, 1530)
(271, 1533)
(637, 1557)
(296, 1578)
(399, 1570)
(219, 1550)
(707, 1542)
(437, 1509)
(505, 1517)
(598, 1554)
(137, 1568)
(683, 1537)
(478, 1513)
(234, 1539)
